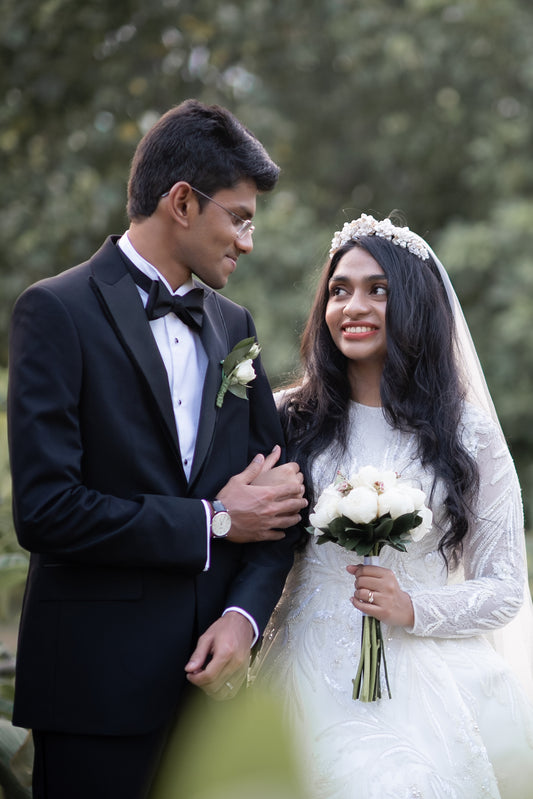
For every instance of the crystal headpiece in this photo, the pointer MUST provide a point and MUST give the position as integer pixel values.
(366, 225)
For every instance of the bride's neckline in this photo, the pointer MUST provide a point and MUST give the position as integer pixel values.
(356, 404)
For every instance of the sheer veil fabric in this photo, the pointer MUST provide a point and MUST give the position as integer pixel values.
(514, 641)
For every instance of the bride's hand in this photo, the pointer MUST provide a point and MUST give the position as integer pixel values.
(378, 594)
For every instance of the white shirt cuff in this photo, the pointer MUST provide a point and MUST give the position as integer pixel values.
(250, 619)
(208, 532)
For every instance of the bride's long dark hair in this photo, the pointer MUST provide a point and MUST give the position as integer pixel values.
(421, 390)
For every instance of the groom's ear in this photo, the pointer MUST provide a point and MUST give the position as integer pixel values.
(182, 203)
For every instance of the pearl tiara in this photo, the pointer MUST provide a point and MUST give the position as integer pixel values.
(366, 225)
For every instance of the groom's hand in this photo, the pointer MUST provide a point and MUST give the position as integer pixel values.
(264, 499)
(271, 474)
(219, 664)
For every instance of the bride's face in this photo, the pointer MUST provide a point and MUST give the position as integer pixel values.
(355, 312)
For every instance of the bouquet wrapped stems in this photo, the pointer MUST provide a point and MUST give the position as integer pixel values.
(367, 682)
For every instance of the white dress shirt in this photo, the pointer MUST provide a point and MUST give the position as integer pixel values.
(183, 354)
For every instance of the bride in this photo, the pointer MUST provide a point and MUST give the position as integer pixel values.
(392, 380)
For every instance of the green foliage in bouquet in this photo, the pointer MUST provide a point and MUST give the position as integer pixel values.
(370, 538)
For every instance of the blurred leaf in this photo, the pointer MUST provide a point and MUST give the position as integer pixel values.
(250, 753)
(15, 761)
(13, 571)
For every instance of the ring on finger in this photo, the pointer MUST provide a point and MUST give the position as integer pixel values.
(370, 599)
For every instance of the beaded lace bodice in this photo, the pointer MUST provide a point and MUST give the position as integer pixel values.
(487, 589)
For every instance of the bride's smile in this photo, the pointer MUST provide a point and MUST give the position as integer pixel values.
(357, 303)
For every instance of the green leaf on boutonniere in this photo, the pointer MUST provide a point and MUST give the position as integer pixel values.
(237, 369)
(238, 391)
(239, 353)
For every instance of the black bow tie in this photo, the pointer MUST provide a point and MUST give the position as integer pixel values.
(189, 307)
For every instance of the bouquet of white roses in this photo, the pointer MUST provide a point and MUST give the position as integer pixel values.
(363, 514)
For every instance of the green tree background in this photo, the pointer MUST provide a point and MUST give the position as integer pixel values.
(417, 105)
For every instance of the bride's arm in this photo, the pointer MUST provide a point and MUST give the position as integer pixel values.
(493, 555)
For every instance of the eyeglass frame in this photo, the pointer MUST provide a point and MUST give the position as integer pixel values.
(246, 227)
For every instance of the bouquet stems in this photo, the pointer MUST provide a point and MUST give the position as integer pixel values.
(367, 682)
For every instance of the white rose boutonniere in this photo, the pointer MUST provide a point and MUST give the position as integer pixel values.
(238, 369)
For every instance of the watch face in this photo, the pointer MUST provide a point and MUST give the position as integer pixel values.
(220, 524)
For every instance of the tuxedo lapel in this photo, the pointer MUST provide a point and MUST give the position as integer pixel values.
(120, 302)
(215, 340)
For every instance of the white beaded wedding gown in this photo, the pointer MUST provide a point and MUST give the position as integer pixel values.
(458, 725)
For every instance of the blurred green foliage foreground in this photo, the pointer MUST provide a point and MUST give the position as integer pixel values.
(250, 753)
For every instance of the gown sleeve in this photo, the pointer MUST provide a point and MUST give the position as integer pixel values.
(493, 560)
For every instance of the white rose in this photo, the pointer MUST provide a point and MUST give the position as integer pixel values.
(427, 520)
(360, 505)
(371, 477)
(254, 351)
(417, 496)
(244, 372)
(326, 509)
(366, 476)
(395, 502)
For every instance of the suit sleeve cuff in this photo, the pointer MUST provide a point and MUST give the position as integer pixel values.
(250, 619)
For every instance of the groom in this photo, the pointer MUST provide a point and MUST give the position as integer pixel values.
(153, 514)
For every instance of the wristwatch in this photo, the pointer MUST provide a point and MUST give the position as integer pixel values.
(220, 521)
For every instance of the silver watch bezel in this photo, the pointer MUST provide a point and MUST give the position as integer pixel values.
(221, 520)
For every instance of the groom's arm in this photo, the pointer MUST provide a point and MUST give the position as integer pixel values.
(220, 660)
(219, 663)
(257, 587)
(56, 512)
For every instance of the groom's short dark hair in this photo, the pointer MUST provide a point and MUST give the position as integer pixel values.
(204, 145)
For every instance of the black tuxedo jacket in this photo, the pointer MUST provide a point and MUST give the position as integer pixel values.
(116, 594)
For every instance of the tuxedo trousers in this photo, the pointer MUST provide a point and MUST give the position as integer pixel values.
(70, 766)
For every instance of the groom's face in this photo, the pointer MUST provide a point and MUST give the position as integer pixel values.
(213, 245)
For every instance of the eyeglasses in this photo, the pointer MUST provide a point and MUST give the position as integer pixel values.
(246, 224)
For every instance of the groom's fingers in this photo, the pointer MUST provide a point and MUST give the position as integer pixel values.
(263, 503)
(272, 459)
(200, 657)
(252, 470)
(228, 643)
(226, 685)
(288, 476)
(259, 465)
